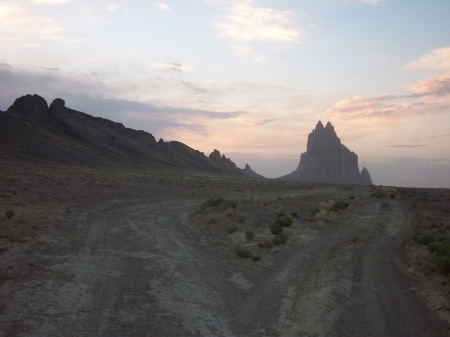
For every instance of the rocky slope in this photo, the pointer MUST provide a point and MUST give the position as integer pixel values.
(30, 130)
(327, 160)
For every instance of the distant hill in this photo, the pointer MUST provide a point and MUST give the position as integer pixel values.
(30, 130)
(327, 160)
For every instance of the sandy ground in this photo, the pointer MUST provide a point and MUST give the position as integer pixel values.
(95, 252)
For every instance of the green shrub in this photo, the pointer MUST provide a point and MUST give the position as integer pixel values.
(294, 215)
(339, 205)
(280, 238)
(284, 221)
(232, 228)
(315, 211)
(242, 252)
(9, 214)
(426, 240)
(443, 264)
(249, 235)
(440, 248)
(276, 229)
(218, 203)
(266, 243)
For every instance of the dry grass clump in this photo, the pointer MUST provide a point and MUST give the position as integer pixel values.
(328, 210)
(384, 192)
(325, 211)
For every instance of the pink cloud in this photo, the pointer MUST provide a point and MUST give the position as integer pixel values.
(437, 87)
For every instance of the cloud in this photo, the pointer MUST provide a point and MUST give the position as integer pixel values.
(437, 59)
(258, 122)
(51, 68)
(372, 2)
(438, 136)
(172, 66)
(25, 26)
(161, 6)
(245, 21)
(18, 19)
(50, 2)
(407, 146)
(436, 87)
(248, 52)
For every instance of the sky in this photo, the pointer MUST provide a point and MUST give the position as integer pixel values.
(250, 78)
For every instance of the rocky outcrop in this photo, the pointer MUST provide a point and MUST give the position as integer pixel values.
(228, 165)
(249, 172)
(32, 131)
(327, 160)
(222, 161)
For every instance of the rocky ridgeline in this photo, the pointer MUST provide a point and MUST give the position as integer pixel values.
(327, 160)
(227, 164)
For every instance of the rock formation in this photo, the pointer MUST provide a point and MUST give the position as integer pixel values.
(326, 160)
(227, 164)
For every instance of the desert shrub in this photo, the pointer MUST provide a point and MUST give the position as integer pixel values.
(439, 248)
(243, 252)
(315, 211)
(256, 258)
(442, 264)
(249, 235)
(276, 229)
(325, 211)
(218, 203)
(280, 238)
(284, 221)
(384, 192)
(425, 240)
(266, 243)
(241, 218)
(294, 215)
(232, 228)
(9, 214)
(280, 213)
(339, 205)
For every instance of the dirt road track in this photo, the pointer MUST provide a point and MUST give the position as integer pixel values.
(136, 270)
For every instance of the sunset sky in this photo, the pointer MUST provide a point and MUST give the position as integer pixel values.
(250, 78)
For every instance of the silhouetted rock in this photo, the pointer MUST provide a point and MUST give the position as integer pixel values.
(326, 160)
(365, 177)
(30, 130)
(31, 106)
(228, 165)
(248, 171)
(222, 161)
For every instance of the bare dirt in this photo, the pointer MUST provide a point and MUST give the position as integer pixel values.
(95, 252)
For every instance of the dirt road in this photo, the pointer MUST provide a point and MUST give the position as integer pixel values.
(138, 269)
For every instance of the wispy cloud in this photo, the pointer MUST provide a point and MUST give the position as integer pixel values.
(425, 97)
(372, 2)
(258, 122)
(436, 87)
(116, 8)
(248, 52)
(245, 21)
(161, 6)
(50, 2)
(407, 146)
(172, 66)
(437, 59)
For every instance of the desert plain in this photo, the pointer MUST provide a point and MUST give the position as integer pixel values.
(120, 251)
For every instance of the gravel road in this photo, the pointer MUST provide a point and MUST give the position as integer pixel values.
(137, 269)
